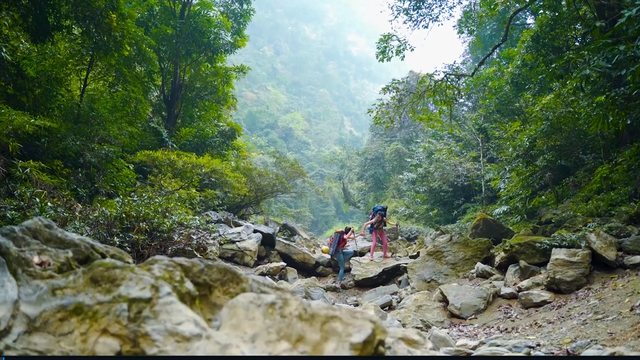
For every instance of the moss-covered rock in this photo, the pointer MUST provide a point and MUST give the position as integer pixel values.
(100, 303)
(485, 226)
(61, 251)
(535, 250)
(446, 260)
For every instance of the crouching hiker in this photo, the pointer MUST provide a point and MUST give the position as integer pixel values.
(336, 248)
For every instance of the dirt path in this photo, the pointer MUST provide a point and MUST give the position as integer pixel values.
(600, 313)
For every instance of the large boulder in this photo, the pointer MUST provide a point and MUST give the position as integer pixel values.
(59, 250)
(378, 272)
(164, 306)
(568, 269)
(604, 247)
(420, 311)
(630, 245)
(296, 256)
(464, 301)
(535, 250)
(285, 325)
(535, 298)
(520, 272)
(487, 227)
(446, 260)
(361, 247)
(375, 294)
(402, 341)
(8, 295)
(311, 289)
(294, 229)
(388, 320)
(268, 235)
(224, 218)
(240, 245)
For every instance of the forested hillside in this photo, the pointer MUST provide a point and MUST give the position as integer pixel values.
(313, 76)
(543, 111)
(116, 119)
(127, 120)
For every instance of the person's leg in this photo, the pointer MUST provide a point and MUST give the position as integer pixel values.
(383, 237)
(374, 239)
(347, 255)
(340, 258)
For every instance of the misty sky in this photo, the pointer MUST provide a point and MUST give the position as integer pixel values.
(434, 48)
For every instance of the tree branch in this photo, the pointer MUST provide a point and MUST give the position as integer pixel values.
(503, 40)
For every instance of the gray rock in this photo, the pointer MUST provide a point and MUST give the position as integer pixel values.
(595, 350)
(536, 282)
(507, 292)
(367, 273)
(271, 269)
(568, 269)
(485, 271)
(527, 271)
(377, 293)
(388, 320)
(440, 339)
(311, 289)
(285, 325)
(384, 301)
(294, 229)
(630, 245)
(450, 351)
(268, 234)
(64, 250)
(8, 295)
(467, 344)
(296, 256)
(465, 301)
(323, 271)
(446, 260)
(493, 351)
(512, 276)
(289, 275)
(631, 262)
(486, 227)
(403, 281)
(535, 298)
(401, 341)
(419, 311)
(240, 245)
(604, 247)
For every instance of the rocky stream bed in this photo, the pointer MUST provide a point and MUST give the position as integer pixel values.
(258, 289)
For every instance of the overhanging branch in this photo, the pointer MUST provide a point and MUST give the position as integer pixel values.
(505, 37)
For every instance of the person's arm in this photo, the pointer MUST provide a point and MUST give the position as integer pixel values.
(365, 226)
(390, 223)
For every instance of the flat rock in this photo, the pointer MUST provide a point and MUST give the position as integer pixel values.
(464, 301)
(296, 256)
(378, 272)
(420, 311)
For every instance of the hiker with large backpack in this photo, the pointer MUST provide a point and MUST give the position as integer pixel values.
(378, 221)
(336, 248)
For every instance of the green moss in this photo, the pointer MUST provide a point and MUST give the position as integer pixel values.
(537, 249)
(478, 219)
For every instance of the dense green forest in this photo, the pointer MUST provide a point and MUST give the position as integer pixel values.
(313, 76)
(126, 120)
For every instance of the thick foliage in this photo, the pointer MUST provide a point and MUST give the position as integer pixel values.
(547, 94)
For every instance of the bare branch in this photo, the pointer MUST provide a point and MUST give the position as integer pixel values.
(503, 40)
